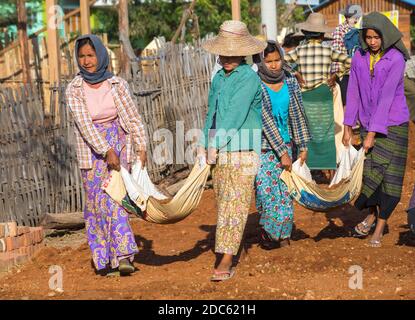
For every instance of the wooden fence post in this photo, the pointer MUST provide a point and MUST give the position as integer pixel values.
(124, 36)
(23, 39)
(85, 15)
(53, 51)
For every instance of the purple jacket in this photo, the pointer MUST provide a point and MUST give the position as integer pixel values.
(377, 102)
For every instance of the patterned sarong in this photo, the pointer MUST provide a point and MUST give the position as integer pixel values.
(318, 106)
(384, 171)
(109, 234)
(273, 200)
(233, 181)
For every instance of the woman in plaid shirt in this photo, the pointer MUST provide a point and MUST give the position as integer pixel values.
(314, 60)
(352, 13)
(109, 134)
(284, 125)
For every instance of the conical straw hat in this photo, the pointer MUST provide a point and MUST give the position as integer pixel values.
(234, 40)
(315, 23)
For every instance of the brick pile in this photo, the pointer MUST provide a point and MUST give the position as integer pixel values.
(18, 244)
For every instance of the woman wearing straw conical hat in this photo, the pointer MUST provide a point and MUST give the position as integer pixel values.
(232, 137)
(314, 59)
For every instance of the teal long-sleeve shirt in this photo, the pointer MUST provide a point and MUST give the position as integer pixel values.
(237, 100)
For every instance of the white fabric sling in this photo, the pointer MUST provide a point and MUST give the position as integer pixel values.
(344, 187)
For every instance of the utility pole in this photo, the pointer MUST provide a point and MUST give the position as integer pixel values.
(23, 39)
(85, 14)
(269, 18)
(236, 10)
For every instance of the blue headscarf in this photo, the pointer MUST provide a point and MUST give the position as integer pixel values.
(101, 74)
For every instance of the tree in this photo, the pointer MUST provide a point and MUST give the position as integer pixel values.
(152, 18)
(8, 18)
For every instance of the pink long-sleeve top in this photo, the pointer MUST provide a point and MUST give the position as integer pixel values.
(100, 103)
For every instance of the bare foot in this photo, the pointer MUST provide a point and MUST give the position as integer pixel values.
(226, 263)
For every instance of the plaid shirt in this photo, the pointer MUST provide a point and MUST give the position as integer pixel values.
(297, 121)
(314, 60)
(338, 44)
(87, 136)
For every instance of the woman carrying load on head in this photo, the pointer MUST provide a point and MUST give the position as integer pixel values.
(376, 99)
(109, 133)
(284, 124)
(232, 133)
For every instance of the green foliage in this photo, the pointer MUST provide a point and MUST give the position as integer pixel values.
(289, 19)
(151, 18)
(212, 13)
(8, 18)
(106, 21)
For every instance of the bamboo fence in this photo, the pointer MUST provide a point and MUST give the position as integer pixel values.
(39, 172)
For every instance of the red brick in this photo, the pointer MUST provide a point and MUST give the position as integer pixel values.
(9, 244)
(25, 240)
(15, 243)
(40, 232)
(12, 229)
(3, 247)
(5, 262)
(31, 237)
(20, 230)
(28, 251)
(20, 241)
(2, 230)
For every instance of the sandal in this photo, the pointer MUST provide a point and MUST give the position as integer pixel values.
(375, 243)
(125, 267)
(222, 275)
(362, 232)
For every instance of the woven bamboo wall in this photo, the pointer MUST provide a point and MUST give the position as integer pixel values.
(38, 168)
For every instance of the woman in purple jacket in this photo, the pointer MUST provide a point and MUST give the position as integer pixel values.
(376, 99)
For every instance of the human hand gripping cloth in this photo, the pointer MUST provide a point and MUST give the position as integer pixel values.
(137, 194)
(344, 187)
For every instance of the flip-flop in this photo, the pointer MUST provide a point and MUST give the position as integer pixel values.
(375, 243)
(113, 273)
(222, 275)
(358, 233)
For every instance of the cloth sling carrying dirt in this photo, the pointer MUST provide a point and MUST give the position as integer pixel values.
(137, 194)
(344, 187)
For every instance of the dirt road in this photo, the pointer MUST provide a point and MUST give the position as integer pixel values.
(175, 261)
